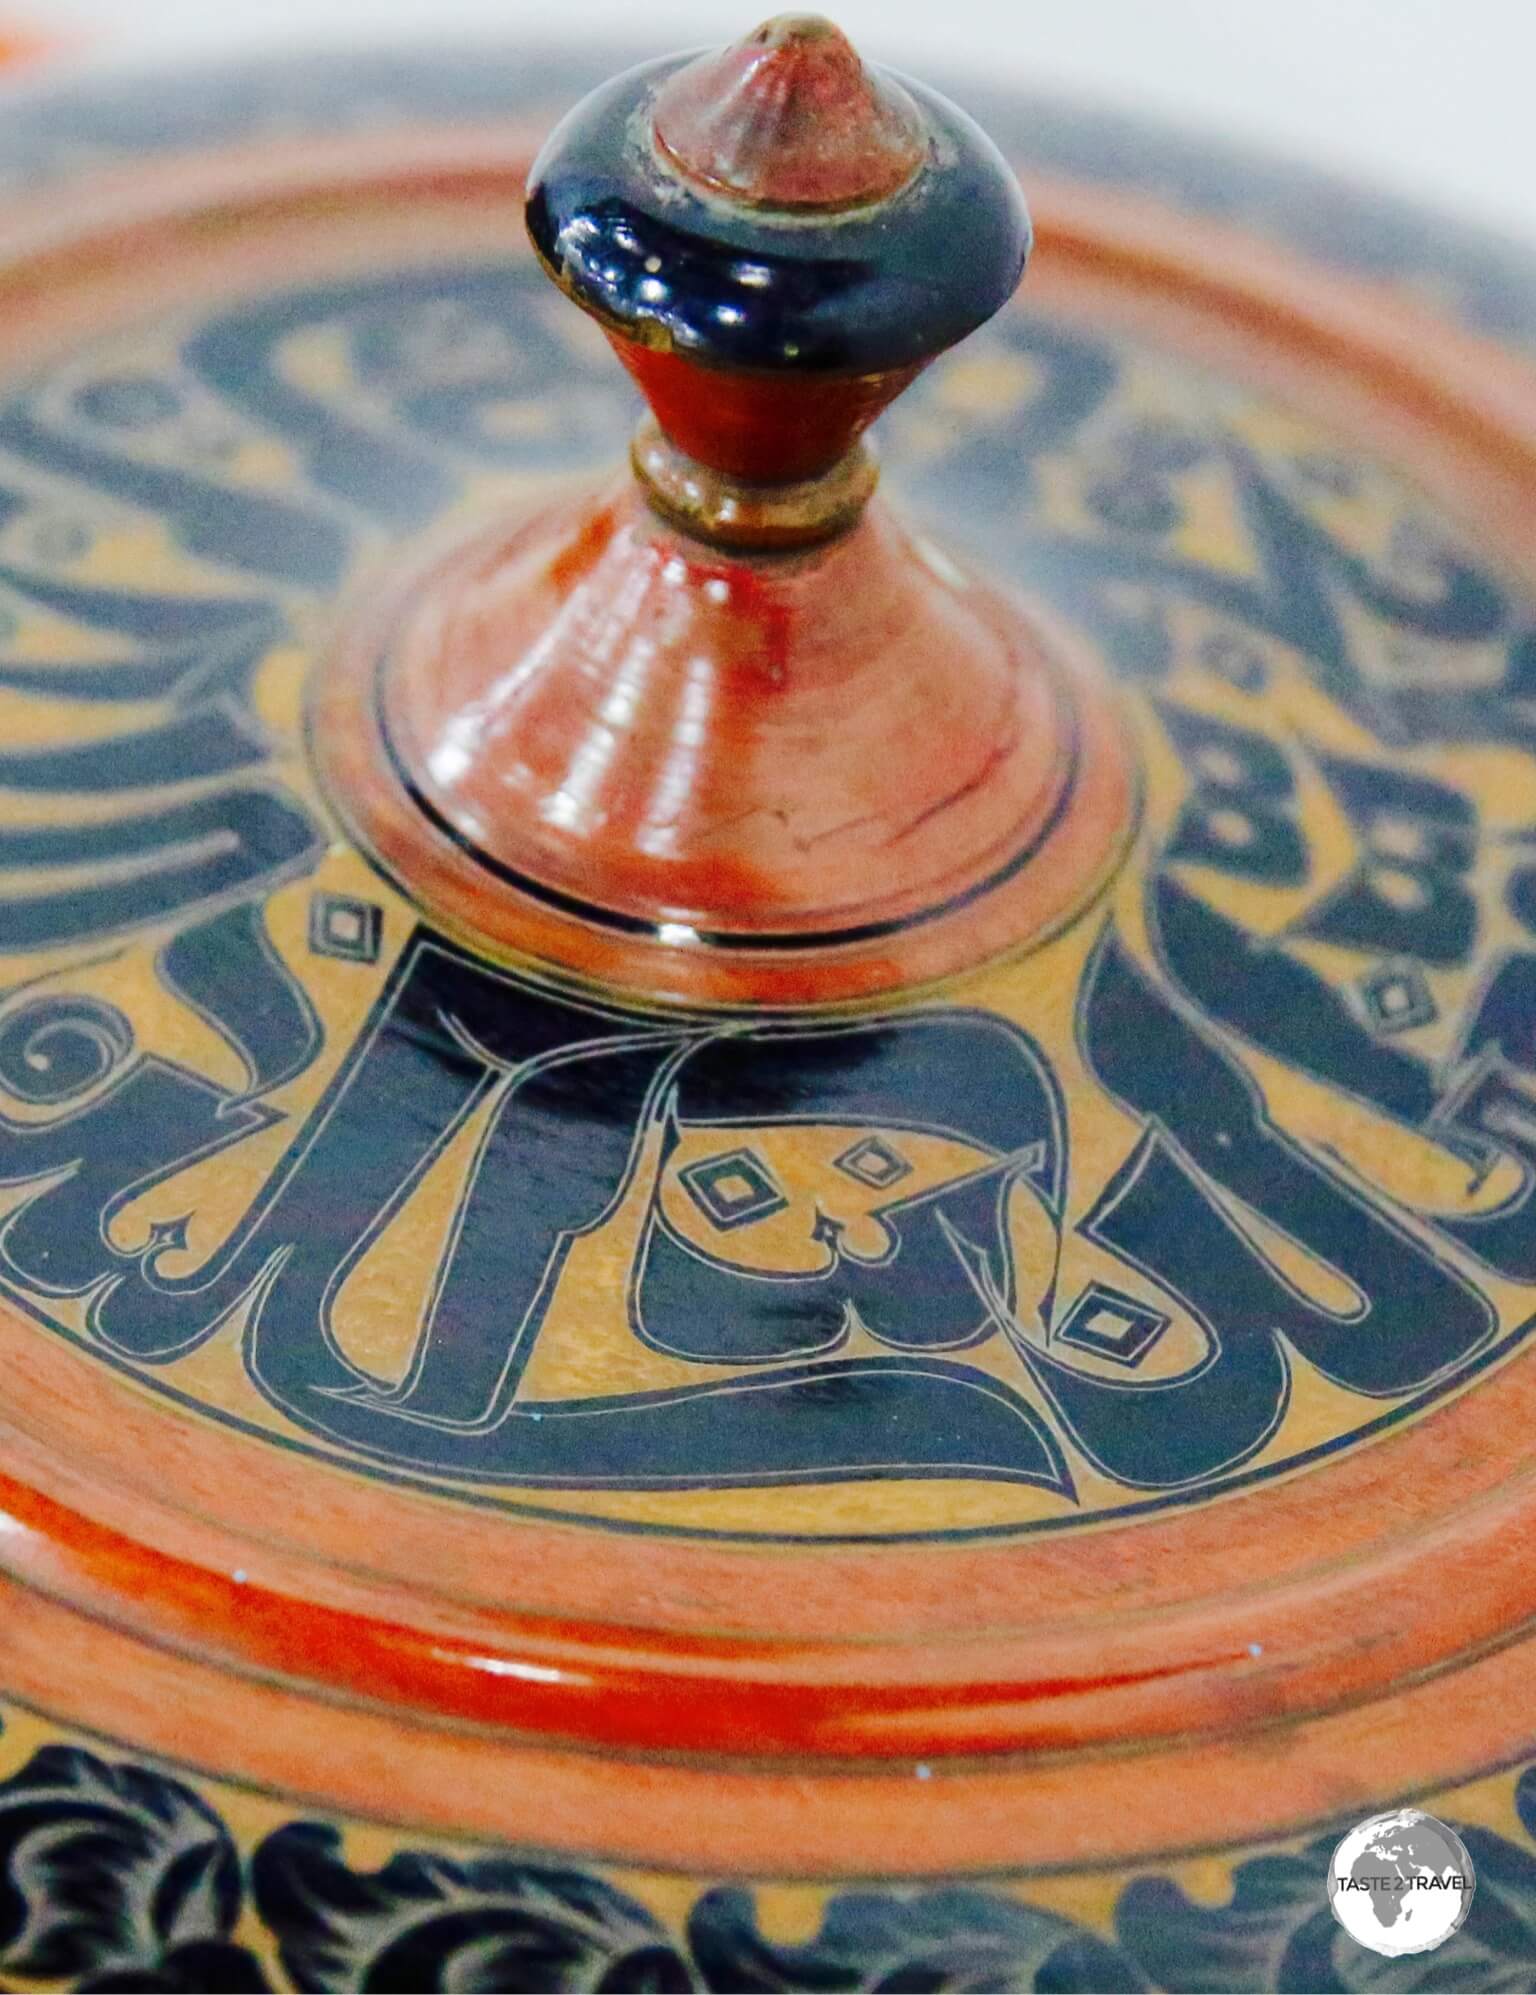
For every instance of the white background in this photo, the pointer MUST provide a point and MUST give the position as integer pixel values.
(1434, 97)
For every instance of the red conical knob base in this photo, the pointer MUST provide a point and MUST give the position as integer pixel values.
(788, 779)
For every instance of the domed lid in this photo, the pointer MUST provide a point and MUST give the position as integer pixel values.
(701, 1166)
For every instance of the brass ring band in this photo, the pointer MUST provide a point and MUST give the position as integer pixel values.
(737, 513)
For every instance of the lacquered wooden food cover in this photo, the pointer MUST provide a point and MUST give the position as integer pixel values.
(754, 1233)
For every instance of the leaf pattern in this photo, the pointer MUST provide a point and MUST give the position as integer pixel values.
(1240, 1948)
(952, 1938)
(116, 1876)
(1276, 1931)
(427, 1922)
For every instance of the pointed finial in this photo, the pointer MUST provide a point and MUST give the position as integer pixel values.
(789, 117)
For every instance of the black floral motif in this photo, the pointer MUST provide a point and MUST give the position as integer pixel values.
(201, 1967)
(1277, 1933)
(117, 1876)
(953, 1938)
(432, 1922)
(1278, 1912)
(1496, 1948)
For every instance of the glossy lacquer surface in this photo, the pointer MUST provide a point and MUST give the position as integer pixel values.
(890, 285)
(503, 1477)
(777, 238)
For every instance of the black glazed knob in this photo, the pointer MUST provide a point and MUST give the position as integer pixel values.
(776, 239)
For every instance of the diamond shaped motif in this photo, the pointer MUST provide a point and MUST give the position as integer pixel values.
(874, 1162)
(1395, 998)
(733, 1189)
(1111, 1324)
(350, 929)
